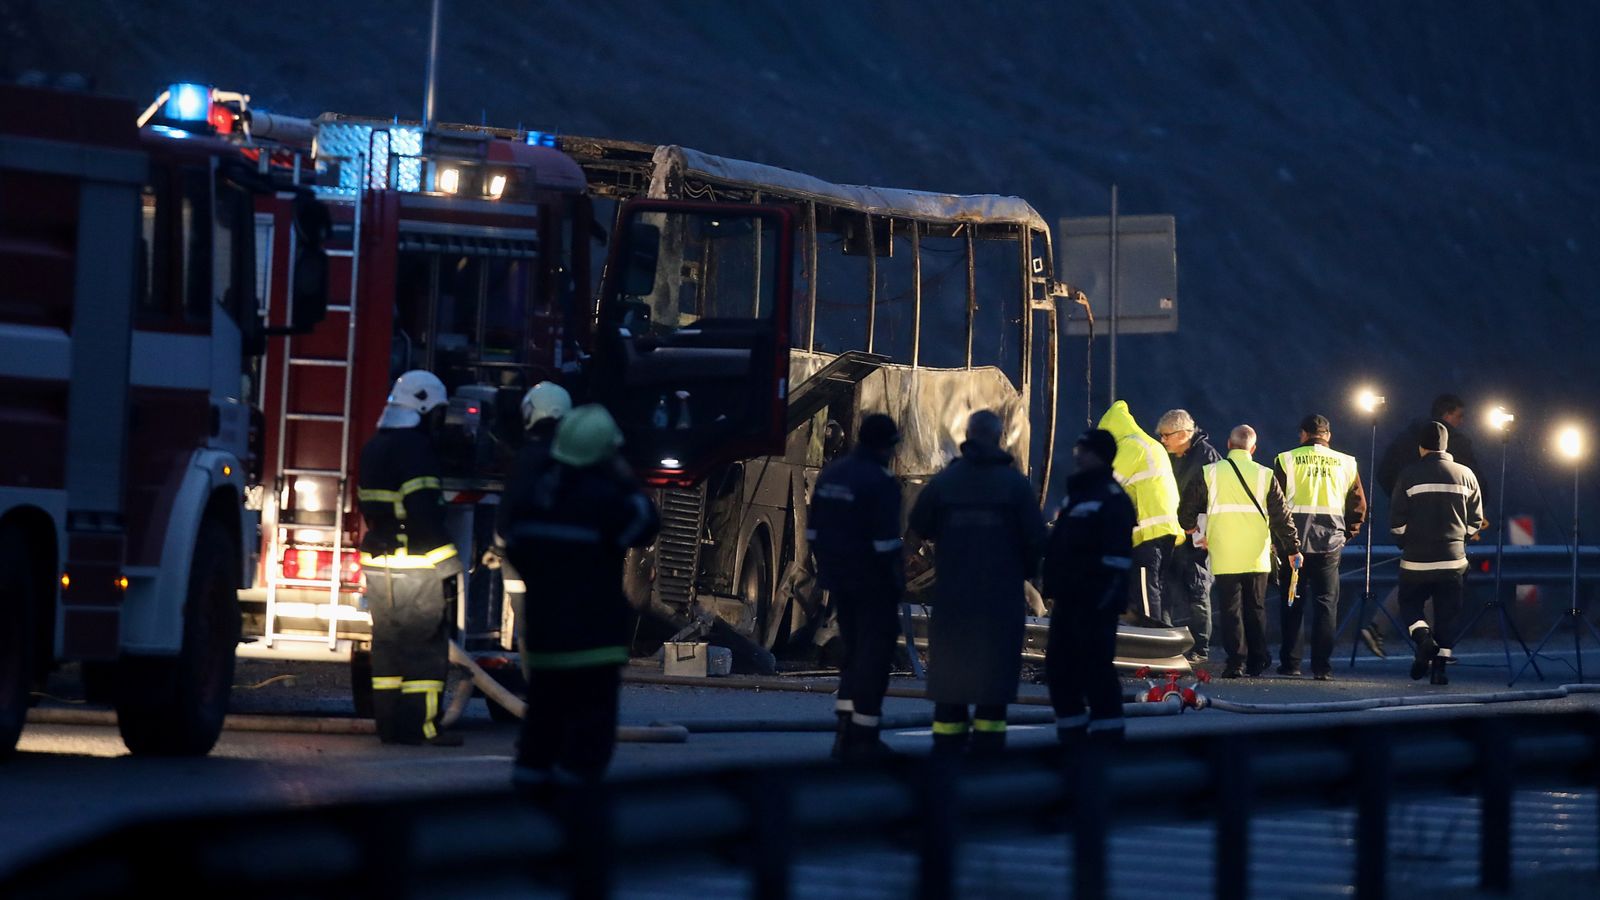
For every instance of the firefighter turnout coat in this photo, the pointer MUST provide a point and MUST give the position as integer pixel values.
(1436, 507)
(854, 528)
(1323, 490)
(983, 517)
(407, 556)
(1145, 472)
(573, 527)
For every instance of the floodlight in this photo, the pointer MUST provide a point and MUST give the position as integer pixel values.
(497, 186)
(1569, 441)
(1500, 418)
(1368, 400)
(449, 180)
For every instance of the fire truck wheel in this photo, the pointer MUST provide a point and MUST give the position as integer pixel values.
(16, 608)
(361, 679)
(174, 705)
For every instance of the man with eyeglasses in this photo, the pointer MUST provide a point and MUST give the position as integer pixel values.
(1188, 582)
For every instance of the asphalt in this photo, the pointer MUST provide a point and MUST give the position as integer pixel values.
(68, 782)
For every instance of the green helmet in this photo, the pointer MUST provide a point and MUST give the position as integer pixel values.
(586, 436)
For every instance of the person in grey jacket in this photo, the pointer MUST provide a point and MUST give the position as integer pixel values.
(1436, 507)
(1187, 585)
(983, 518)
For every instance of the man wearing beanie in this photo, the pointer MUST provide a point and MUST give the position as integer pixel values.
(1085, 576)
(854, 529)
(1436, 507)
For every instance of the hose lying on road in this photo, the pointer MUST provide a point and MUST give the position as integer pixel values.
(1555, 693)
(483, 681)
(628, 734)
(789, 684)
(898, 721)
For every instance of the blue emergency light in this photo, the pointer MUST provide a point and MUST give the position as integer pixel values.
(187, 103)
(541, 139)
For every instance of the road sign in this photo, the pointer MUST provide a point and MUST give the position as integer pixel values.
(1147, 272)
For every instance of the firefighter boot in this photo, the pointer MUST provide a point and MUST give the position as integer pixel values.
(988, 737)
(840, 732)
(861, 742)
(949, 738)
(1422, 636)
(1072, 732)
(1437, 674)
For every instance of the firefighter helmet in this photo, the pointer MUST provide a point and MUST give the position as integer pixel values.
(414, 395)
(545, 400)
(588, 435)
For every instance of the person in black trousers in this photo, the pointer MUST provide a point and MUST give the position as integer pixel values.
(854, 529)
(572, 521)
(1085, 576)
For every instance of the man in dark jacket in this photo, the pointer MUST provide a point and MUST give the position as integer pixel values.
(1436, 507)
(1085, 575)
(573, 525)
(409, 562)
(1246, 518)
(1450, 411)
(854, 529)
(983, 518)
(1188, 581)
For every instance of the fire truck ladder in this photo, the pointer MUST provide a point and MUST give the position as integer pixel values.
(282, 532)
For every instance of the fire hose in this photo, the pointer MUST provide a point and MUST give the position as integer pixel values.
(1332, 706)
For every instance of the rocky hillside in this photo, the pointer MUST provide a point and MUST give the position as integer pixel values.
(1400, 192)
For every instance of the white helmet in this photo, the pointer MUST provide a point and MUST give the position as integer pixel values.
(545, 400)
(414, 394)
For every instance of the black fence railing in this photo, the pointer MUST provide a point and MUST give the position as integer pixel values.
(758, 819)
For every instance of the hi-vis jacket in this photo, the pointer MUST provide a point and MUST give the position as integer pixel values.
(1144, 470)
(1323, 489)
(1436, 506)
(1237, 535)
(402, 502)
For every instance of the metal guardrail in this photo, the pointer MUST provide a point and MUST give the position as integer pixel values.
(1525, 564)
(758, 818)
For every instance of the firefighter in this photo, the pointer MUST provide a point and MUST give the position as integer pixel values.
(409, 561)
(1450, 411)
(1145, 471)
(854, 529)
(1323, 489)
(543, 407)
(1085, 573)
(1245, 516)
(573, 523)
(983, 518)
(1436, 507)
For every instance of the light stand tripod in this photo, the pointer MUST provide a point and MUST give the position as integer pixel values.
(1359, 614)
(1497, 601)
(1574, 614)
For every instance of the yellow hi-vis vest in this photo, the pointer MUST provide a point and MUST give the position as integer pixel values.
(1317, 481)
(1145, 471)
(1237, 535)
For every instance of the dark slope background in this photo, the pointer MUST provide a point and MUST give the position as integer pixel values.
(1397, 192)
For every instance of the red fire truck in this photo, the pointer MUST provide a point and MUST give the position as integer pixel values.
(464, 251)
(129, 343)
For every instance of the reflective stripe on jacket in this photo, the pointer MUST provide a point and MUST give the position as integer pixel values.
(1321, 487)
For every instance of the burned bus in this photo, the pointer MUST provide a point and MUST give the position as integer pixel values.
(925, 306)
